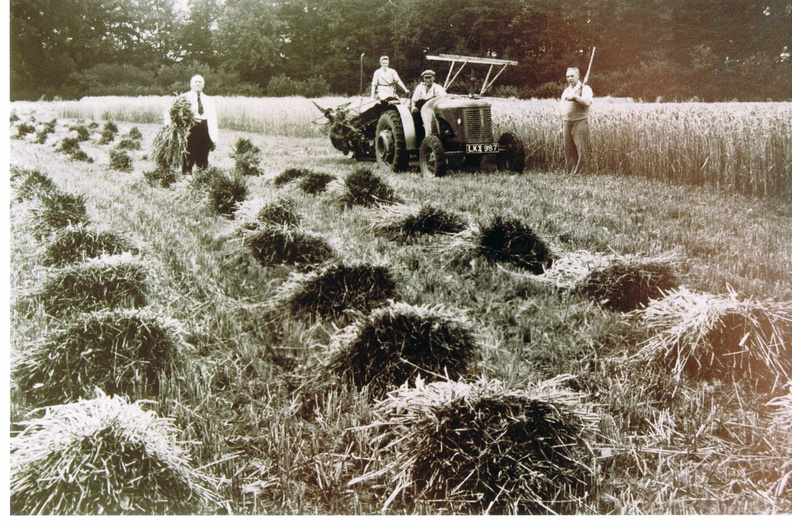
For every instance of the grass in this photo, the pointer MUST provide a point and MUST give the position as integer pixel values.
(666, 445)
(782, 419)
(279, 212)
(23, 129)
(226, 192)
(41, 136)
(273, 245)
(27, 184)
(288, 175)
(105, 456)
(247, 165)
(107, 136)
(656, 141)
(720, 337)
(481, 447)
(630, 284)
(406, 223)
(650, 140)
(170, 143)
(502, 240)
(363, 187)
(81, 133)
(124, 352)
(247, 158)
(75, 244)
(69, 145)
(110, 281)
(161, 176)
(335, 292)
(81, 156)
(315, 183)
(399, 342)
(244, 146)
(128, 144)
(169, 148)
(55, 209)
(120, 160)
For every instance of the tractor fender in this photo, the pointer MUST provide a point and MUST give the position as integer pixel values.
(408, 124)
(431, 105)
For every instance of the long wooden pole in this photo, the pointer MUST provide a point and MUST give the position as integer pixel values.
(361, 72)
(591, 61)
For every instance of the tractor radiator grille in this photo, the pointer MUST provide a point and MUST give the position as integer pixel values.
(478, 124)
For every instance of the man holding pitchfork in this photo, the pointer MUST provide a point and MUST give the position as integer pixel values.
(575, 103)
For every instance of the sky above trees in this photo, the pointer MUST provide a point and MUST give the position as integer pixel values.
(676, 49)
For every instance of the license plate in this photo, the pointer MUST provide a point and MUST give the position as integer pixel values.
(481, 148)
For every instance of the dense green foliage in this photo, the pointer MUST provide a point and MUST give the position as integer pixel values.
(713, 50)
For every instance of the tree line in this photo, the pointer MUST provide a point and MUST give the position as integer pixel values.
(675, 49)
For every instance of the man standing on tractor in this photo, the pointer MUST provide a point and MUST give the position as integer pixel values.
(426, 90)
(383, 85)
(575, 103)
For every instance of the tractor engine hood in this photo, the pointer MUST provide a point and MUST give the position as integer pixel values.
(468, 119)
(452, 102)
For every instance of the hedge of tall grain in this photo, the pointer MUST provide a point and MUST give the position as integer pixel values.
(741, 147)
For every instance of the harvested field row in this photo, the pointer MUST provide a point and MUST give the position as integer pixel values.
(290, 349)
(92, 356)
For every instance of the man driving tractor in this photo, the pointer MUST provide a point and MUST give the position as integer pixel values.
(433, 131)
(426, 90)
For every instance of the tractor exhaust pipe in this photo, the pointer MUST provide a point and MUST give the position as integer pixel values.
(361, 73)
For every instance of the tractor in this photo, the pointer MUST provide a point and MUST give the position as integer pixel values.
(390, 132)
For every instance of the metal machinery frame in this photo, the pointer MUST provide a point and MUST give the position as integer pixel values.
(472, 60)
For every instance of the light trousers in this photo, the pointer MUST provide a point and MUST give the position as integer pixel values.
(576, 145)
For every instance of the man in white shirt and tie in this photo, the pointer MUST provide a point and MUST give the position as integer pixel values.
(202, 137)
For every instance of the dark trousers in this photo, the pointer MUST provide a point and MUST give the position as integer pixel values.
(198, 146)
(576, 145)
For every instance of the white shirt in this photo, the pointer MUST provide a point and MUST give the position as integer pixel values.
(422, 93)
(209, 114)
(385, 82)
(571, 109)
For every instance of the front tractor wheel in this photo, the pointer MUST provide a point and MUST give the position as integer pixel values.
(389, 144)
(432, 157)
(511, 154)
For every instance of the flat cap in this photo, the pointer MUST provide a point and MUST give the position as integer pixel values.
(427, 72)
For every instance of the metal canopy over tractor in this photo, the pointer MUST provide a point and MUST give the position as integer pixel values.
(464, 60)
(455, 132)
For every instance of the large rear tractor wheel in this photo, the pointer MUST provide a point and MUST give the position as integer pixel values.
(432, 157)
(511, 154)
(389, 143)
